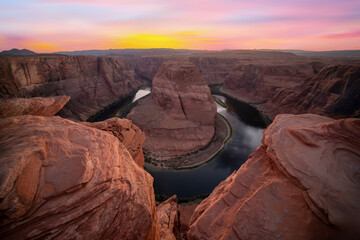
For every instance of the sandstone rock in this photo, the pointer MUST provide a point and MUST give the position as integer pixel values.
(179, 116)
(32, 106)
(334, 92)
(128, 134)
(301, 183)
(168, 218)
(91, 82)
(63, 180)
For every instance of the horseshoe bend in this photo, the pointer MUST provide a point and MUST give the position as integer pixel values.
(254, 144)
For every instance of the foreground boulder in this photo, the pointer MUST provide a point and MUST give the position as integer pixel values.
(301, 183)
(32, 106)
(63, 180)
(128, 134)
(179, 116)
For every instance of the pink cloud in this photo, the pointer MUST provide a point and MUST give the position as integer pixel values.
(354, 34)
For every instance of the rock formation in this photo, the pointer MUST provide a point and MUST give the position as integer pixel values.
(128, 134)
(63, 180)
(179, 116)
(333, 91)
(168, 218)
(91, 82)
(32, 106)
(301, 183)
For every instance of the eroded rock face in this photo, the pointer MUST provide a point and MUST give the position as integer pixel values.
(257, 83)
(91, 82)
(128, 134)
(334, 92)
(63, 180)
(301, 183)
(168, 218)
(32, 106)
(179, 116)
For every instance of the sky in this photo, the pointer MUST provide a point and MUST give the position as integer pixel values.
(65, 25)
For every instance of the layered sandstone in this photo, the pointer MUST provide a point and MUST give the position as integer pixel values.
(332, 91)
(179, 116)
(256, 83)
(168, 218)
(91, 82)
(301, 183)
(128, 134)
(32, 106)
(64, 180)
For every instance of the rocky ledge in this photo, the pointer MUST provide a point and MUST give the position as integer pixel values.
(64, 180)
(179, 116)
(32, 106)
(301, 183)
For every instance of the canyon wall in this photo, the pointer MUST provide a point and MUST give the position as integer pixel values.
(333, 91)
(179, 116)
(91, 82)
(301, 183)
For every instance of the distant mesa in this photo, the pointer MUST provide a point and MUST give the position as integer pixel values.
(15, 51)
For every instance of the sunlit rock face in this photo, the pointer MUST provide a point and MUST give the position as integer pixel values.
(32, 106)
(301, 183)
(64, 180)
(91, 82)
(128, 134)
(179, 116)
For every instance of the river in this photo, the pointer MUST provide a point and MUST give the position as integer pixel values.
(187, 183)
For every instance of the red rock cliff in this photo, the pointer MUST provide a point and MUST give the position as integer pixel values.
(179, 116)
(301, 183)
(63, 180)
(91, 82)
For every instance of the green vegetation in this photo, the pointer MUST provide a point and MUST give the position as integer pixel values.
(220, 102)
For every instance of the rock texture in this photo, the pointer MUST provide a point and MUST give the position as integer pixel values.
(179, 116)
(168, 218)
(63, 180)
(332, 91)
(301, 183)
(32, 106)
(128, 134)
(91, 82)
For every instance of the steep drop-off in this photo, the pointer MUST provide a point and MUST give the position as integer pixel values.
(179, 116)
(333, 91)
(91, 82)
(301, 183)
(63, 180)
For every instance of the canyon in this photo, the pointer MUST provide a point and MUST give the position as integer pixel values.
(179, 116)
(91, 82)
(61, 177)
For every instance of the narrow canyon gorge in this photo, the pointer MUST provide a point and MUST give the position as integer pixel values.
(63, 177)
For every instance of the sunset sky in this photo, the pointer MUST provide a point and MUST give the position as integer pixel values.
(54, 25)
